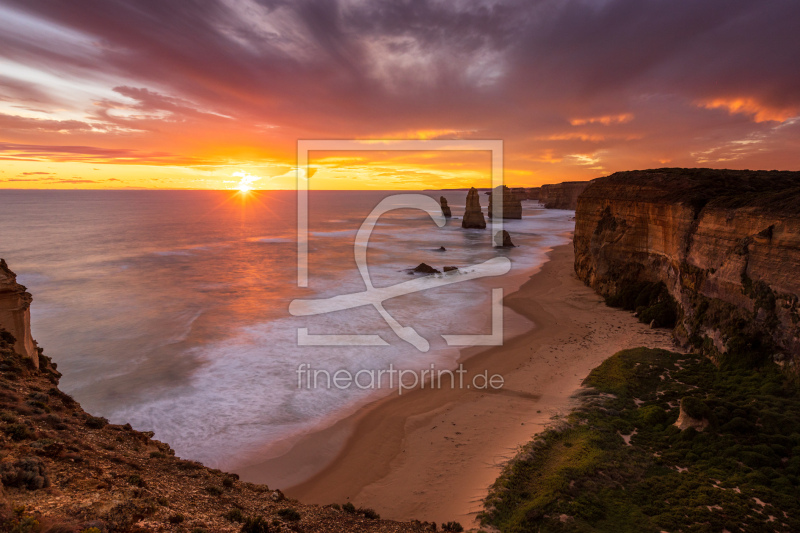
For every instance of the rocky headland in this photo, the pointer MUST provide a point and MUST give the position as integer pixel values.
(561, 195)
(723, 245)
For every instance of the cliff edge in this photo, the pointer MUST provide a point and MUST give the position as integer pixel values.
(15, 313)
(724, 244)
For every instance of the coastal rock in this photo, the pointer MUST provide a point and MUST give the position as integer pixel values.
(441, 249)
(561, 195)
(445, 208)
(512, 204)
(503, 239)
(473, 216)
(724, 243)
(424, 268)
(450, 268)
(15, 313)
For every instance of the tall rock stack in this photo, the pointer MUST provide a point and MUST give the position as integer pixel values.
(445, 208)
(512, 204)
(473, 216)
(15, 314)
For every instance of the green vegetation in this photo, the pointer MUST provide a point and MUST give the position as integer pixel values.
(651, 302)
(255, 524)
(742, 473)
(289, 514)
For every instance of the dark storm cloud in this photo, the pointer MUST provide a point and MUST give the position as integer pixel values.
(518, 70)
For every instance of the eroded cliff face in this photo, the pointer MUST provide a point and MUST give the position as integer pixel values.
(725, 243)
(15, 314)
(562, 195)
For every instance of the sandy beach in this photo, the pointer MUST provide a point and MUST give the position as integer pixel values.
(432, 454)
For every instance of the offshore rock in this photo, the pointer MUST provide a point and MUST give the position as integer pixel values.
(445, 208)
(503, 239)
(424, 268)
(473, 216)
(512, 202)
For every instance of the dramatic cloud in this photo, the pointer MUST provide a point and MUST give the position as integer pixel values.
(575, 88)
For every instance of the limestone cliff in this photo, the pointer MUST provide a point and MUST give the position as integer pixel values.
(473, 216)
(512, 203)
(15, 314)
(726, 244)
(562, 195)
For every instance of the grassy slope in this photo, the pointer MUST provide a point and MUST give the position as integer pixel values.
(583, 477)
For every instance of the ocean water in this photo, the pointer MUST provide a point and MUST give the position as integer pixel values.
(169, 309)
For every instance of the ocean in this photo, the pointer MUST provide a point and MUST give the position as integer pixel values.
(170, 309)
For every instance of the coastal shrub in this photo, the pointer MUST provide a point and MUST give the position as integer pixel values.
(234, 515)
(162, 501)
(157, 455)
(18, 432)
(227, 482)
(454, 527)
(136, 481)
(96, 422)
(176, 518)
(369, 513)
(255, 524)
(26, 473)
(349, 508)
(289, 514)
(214, 491)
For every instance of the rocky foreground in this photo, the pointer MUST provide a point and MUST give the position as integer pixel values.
(64, 470)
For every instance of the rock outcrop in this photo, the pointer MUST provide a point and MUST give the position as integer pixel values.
(562, 195)
(512, 204)
(725, 244)
(445, 208)
(503, 239)
(15, 314)
(473, 216)
(424, 268)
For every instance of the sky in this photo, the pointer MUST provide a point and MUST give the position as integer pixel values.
(215, 94)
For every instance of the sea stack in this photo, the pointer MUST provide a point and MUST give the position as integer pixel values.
(473, 216)
(445, 208)
(512, 204)
(15, 313)
(503, 239)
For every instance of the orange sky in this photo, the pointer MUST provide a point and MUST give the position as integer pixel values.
(215, 94)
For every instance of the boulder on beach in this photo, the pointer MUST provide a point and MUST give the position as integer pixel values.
(450, 268)
(503, 239)
(473, 216)
(445, 208)
(424, 268)
(441, 249)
